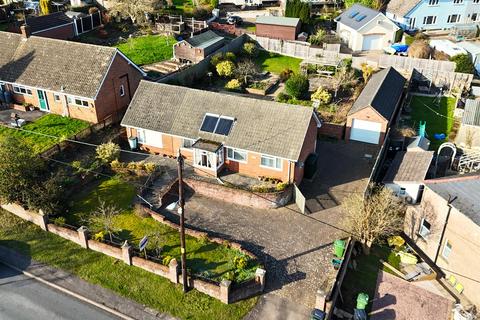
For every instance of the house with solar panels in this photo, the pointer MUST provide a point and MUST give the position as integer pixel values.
(362, 29)
(217, 131)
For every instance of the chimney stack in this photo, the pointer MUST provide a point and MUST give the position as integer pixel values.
(25, 31)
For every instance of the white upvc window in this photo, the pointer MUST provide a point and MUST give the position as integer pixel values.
(430, 20)
(425, 228)
(22, 90)
(77, 101)
(476, 1)
(122, 90)
(149, 137)
(457, 1)
(447, 249)
(236, 155)
(271, 162)
(56, 97)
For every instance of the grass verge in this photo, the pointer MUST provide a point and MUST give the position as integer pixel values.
(128, 281)
(50, 124)
(148, 49)
(276, 63)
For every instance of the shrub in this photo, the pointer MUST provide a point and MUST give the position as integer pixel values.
(250, 49)
(230, 276)
(261, 188)
(297, 86)
(419, 49)
(226, 243)
(233, 84)
(59, 221)
(240, 262)
(230, 56)
(318, 37)
(367, 71)
(225, 68)
(117, 165)
(216, 59)
(107, 152)
(281, 186)
(99, 236)
(285, 74)
(150, 167)
(204, 239)
(166, 260)
(132, 166)
(261, 85)
(322, 95)
(463, 63)
(282, 97)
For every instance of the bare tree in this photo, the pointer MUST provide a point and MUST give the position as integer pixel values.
(134, 9)
(104, 218)
(343, 77)
(380, 215)
(245, 69)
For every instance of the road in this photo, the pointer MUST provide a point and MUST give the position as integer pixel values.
(23, 298)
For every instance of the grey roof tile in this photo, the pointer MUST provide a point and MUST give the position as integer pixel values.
(204, 40)
(48, 21)
(401, 7)
(261, 126)
(382, 92)
(52, 64)
(357, 10)
(409, 166)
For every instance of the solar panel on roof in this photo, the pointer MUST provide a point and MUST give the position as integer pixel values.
(224, 125)
(360, 18)
(209, 123)
(353, 14)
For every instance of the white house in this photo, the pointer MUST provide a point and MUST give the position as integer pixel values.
(407, 172)
(362, 28)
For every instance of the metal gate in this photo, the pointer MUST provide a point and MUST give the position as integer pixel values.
(299, 199)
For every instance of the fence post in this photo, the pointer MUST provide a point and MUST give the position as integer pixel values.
(127, 253)
(225, 290)
(83, 236)
(260, 277)
(173, 270)
(43, 221)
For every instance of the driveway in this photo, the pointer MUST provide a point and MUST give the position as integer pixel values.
(295, 248)
(343, 168)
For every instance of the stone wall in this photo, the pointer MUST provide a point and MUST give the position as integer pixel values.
(34, 217)
(332, 130)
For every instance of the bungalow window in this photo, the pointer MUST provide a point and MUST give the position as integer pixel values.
(22, 90)
(432, 2)
(151, 138)
(77, 101)
(122, 90)
(476, 1)
(457, 1)
(141, 136)
(271, 162)
(236, 155)
(453, 18)
(430, 20)
(425, 228)
(447, 250)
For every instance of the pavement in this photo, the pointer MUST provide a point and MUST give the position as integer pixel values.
(24, 298)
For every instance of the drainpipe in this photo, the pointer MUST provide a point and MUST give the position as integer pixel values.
(289, 171)
(449, 204)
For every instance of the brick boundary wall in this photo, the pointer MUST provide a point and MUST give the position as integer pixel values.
(332, 130)
(222, 291)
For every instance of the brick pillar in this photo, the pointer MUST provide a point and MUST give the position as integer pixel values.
(260, 277)
(173, 270)
(127, 253)
(225, 290)
(320, 300)
(83, 236)
(43, 221)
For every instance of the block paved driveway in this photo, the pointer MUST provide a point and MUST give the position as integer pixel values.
(296, 249)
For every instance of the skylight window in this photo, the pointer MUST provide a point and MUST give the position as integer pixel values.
(360, 18)
(353, 14)
(217, 124)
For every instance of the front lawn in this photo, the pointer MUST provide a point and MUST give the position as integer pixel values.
(51, 124)
(128, 281)
(148, 49)
(204, 258)
(276, 63)
(438, 116)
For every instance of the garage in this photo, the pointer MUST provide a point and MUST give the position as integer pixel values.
(373, 42)
(365, 131)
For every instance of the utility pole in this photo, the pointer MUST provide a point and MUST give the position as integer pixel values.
(181, 212)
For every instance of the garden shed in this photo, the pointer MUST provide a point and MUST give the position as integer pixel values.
(277, 27)
(196, 48)
(371, 114)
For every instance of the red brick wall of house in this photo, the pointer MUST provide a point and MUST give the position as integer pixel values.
(367, 114)
(277, 32)
(184, 50)
(309, 146)
(109, 102)
(63, 33)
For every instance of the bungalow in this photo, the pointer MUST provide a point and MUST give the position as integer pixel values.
(362, 28)
(196, 48)
(370, 116)
(217, 131)
(72, 79)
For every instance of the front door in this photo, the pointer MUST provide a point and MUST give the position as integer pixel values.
(42, 99)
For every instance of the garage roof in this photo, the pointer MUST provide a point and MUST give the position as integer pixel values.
(382, 93)
(278, 21)
(204, 40)
(409, 166)
(471, 116)
(357, 16)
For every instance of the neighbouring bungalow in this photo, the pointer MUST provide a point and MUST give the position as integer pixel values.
(369, 118)
(362, 28)
(277, 27)
(215, 131)
(77, 80)
(446, 227)
(198, 47)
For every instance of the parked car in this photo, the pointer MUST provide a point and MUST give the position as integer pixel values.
(234, 20)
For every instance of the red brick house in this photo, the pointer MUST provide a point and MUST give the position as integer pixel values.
(369, 118)
(215, 131)
(72, 79)
(277, 27)
(196, 48)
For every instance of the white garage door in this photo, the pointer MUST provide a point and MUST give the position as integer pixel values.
(365, 131)
(373, 42)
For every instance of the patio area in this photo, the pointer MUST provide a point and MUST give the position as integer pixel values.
(29, 116)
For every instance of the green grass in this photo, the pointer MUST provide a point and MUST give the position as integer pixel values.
(251, 28)
(203, 257)
(148, 49)
(181, 4)
(276, 63)
(128, 281)
(436, 123)
(50, 124)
